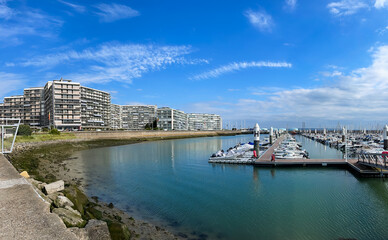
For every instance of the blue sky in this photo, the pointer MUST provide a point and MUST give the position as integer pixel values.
(276, 62)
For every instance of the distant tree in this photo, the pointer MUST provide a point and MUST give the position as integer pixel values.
(148, 126)
(155, 124)
(25, 130)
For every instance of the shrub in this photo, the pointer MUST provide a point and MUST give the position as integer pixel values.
(45, 129)
(54, 131)
(24, 130)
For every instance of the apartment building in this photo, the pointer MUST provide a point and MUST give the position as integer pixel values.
(62, 101)
(67, 105)
(204, 121)
(136, 117)
(172, 119)
(33, 110)
(115, 120)
(95, 108)
(13, 107)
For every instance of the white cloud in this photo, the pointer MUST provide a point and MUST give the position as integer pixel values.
(260, 20)
(113, 12)
(5, 11)
(76, 7)
(346, 7)
(10, 82)
(115, 62)
(357, 96)
(335, 73)
(290, 4)
(380, 3)
(236, 66)
(26, 21)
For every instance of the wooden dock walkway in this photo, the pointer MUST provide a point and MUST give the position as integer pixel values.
(267, 154)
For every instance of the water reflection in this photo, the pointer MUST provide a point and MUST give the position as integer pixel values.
(171, 183)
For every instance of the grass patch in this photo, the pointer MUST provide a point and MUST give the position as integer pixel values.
(44, 137)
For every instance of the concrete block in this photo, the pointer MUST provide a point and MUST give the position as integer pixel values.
(62, 201)
(54, 187)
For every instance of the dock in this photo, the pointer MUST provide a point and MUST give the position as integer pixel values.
(354, 165)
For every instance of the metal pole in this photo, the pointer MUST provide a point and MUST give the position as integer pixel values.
(2, 139)
(346, 147)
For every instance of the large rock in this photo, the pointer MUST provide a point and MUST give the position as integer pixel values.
(97, 230)
(119, 231)
(54, 196)
(54, 187)
(79, 199)
(62, 201)
(81, 233)
(70, 217)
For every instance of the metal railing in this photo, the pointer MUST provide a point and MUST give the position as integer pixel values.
(374, 159)
(9, 128)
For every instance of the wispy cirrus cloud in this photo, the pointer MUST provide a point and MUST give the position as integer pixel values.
(236, 66)
(114, 11)
(290, 4)
(260, 19)
(5, 11)
(346, 7)
(76, 7)
(355, 96)
(115, 62)
(381, 3)
(10, 82)
(25, 21)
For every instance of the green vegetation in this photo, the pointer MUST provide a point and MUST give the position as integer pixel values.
(118, 231)
(152, 126)
(24, 130)
(44, 137)
(54, 131)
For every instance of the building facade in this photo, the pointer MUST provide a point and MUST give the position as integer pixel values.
(33, 106)
(172, 119)
(204, 122)
(115, 120)
(13, 107)
(62, 101)
(136, 117)
(67, 105)
(95, 108)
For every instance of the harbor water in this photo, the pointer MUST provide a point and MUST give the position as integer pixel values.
(171, 184)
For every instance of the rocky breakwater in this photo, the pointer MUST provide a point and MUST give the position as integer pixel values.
(83, 217)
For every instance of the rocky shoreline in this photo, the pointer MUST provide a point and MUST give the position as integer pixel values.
(48, 162)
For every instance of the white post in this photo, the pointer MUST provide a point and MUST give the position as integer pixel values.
(385, 137)
(346, 143)
(271, 136)
(2, 139)
(256, 139)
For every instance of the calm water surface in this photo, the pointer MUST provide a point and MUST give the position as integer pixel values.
(170, 183)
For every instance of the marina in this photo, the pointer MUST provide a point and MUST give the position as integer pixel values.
(169, 183)
(362, 163)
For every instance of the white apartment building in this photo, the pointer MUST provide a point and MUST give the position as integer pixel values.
(115, 120)
(204, 121)
(136, 117)
(62, 105)
(172, 119)
(95, 109)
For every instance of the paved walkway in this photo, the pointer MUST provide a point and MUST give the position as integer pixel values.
(23, 214)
